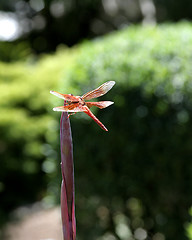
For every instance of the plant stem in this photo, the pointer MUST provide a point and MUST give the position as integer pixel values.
(67, 186)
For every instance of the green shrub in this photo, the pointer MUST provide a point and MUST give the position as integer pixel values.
(28, 129)
(139, 174)
(11, 52)
(135, 179)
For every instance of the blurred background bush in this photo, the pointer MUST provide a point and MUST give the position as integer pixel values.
(133, 182)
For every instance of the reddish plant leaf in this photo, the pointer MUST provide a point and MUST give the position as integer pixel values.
(67, 186)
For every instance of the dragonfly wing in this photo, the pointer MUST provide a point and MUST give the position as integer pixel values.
(90, 114)
(101, 104)
(100, 91)
(67, 97)
(74, 107)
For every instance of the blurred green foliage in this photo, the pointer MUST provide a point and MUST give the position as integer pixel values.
(28, 128)
(11, 52)
(44, 24)
(135, 180)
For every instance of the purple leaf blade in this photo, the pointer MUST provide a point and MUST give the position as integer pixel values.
(67, 187)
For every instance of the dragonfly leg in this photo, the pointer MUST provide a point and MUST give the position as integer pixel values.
(71, 114)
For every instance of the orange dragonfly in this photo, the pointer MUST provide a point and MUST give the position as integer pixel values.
(78, 104)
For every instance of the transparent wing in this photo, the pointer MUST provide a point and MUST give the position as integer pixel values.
(100, 91)
(101, 104)
(74, 107)
(67, 97)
